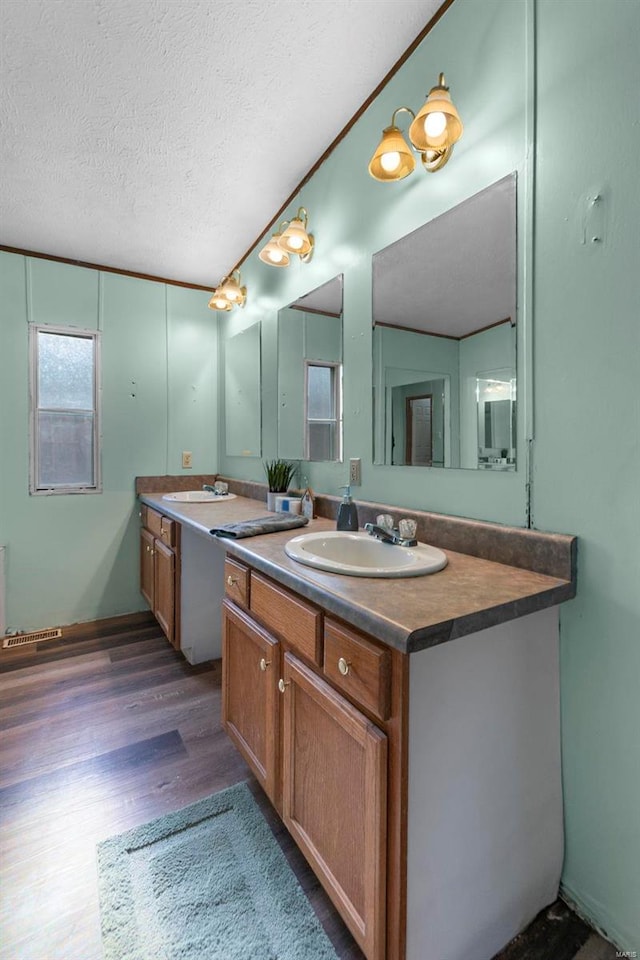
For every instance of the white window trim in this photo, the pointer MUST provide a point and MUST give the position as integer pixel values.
(337, 384)
(95, 335)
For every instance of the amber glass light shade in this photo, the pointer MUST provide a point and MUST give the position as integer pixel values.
(218, 302)
(231, 290)
(295, 238)
(273, 254)
(438, 124)
(228, 294)
(393, 159)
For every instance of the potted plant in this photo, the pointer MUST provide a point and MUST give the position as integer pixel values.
(279, 475)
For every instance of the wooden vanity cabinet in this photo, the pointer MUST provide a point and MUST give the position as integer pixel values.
(250, 704)
(334, 797)
(160, 570)
(321, 758)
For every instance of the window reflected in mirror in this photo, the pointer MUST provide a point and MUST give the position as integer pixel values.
(310, 375)
(444, 339)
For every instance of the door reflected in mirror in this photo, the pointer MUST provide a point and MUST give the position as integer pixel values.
(310, 375)
(444, 339)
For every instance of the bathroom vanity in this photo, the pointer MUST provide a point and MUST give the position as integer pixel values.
(407, 731)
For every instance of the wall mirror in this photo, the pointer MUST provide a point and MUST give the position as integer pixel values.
(242, 392)
(310, 375)
(444, 338)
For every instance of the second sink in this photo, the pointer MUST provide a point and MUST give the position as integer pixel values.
(360, 555)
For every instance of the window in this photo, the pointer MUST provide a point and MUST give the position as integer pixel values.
(323, 411)
(65, 456)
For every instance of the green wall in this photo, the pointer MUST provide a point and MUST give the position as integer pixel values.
(75, 557)
(548, 88)
(587, 429)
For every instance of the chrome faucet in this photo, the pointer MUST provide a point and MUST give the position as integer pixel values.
(388, 536)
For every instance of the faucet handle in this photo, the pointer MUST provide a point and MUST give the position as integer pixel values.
(385, 520)
(407, 529)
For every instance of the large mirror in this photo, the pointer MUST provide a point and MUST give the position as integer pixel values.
(444, 339)
(242, 393)
(310, 375)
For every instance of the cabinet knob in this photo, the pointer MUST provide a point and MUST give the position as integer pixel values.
(283, 684)
(264, 664)
(343, 666)
(232, 580)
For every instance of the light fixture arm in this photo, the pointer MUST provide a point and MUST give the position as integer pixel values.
(401, 110)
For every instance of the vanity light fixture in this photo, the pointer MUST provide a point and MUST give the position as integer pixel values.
(228, 294)
(272, 253)
(433, 133)
(293, 238)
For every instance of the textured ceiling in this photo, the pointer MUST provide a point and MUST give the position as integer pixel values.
(457, 273)
(146, 134)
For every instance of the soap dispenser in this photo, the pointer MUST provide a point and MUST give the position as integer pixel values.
(347, 512)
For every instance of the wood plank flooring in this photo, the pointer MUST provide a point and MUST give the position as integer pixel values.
(101, 732)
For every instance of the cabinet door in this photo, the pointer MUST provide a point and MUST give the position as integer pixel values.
(165, 590)
(250, 658)
(334, 799)
(146, 567)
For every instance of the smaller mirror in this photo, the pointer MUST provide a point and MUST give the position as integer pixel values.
(310, 375)
(242, 392)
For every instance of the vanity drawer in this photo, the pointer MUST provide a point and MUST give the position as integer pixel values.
(291, 619)
(358, 667)
(168, 531)
(152, 520)
(236, 581)
(160, 526)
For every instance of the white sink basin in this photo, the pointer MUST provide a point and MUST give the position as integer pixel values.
(198, 496)
(361, 555)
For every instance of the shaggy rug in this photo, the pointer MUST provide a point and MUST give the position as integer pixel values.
(208, 882)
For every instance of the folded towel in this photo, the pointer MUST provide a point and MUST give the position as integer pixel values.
(254, 528)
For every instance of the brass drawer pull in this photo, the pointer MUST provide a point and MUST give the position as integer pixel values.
(264, 664)
(232, 580)
(283, 684)
(343, 666)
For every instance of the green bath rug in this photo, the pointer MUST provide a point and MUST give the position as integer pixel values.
(208, 882)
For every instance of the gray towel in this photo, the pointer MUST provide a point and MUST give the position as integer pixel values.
(254, 528)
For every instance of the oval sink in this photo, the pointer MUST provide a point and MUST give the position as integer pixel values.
(361, 555)
(198, 496)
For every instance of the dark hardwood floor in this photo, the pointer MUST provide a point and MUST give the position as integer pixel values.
(102, 732)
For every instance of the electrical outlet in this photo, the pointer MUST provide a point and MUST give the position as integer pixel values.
(354, 472)
(187, 459)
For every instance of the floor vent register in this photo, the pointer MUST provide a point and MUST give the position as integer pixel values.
(36, 636)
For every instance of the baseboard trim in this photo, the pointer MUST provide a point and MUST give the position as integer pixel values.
(90, 629)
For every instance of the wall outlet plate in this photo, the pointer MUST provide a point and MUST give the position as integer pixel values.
(355, 478)
(187, 459)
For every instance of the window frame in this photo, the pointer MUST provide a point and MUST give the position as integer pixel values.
(95, 335)
(336, 365)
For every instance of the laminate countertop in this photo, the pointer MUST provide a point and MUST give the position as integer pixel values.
(410, 614)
